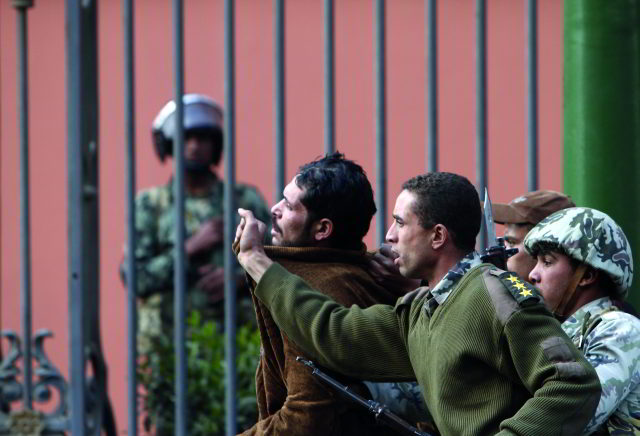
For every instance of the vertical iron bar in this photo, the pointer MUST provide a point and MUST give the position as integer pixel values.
(229, 217)
(481, 105)
(83, 178)
(25, 251)
(432, 85)
(74, 77)
(532, 97)
(132, 282)
(381, 134)
(279, 98)
(329, 79)
(179, 278)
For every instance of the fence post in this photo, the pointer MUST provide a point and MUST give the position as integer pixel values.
(602, 111)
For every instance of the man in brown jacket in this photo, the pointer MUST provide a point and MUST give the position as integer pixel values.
(317, 234)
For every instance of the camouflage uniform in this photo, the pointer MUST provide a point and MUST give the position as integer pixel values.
(612, 347)
(610, 339)
(405, 399)
(155, 252)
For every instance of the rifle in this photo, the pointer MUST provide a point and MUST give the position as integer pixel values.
(380, 411)
(495, 253)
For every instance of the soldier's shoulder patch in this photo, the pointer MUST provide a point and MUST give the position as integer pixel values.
(522, 291)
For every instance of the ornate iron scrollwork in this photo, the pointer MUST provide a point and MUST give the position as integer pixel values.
(29, 422)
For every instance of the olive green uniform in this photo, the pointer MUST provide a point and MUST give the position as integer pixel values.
(488, 355)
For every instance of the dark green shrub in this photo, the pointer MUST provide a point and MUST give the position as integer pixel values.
(205, 380)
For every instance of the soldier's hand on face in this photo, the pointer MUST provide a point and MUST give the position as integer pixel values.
(249, 237)
(210, 234)
(250, 233)
(212, 282)
(387, 274)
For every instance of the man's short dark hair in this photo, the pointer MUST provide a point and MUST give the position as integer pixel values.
(448, 199)
(338, 189)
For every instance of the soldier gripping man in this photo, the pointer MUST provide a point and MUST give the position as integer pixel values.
(584, 261)
(488, 355)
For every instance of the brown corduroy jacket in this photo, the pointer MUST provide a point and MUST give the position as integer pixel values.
(290, 400)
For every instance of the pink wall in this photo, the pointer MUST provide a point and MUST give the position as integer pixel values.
(304, 131)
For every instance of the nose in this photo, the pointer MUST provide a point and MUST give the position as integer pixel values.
(391, 236)
(190, 142)
(534, 275)
(275, 210)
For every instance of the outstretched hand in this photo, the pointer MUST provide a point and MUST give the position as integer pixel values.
(249, 237)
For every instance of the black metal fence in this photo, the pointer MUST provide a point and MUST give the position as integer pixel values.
(86, 393)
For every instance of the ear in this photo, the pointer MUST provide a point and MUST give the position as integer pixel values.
(439, 237)
(322, 229)
(589, 277)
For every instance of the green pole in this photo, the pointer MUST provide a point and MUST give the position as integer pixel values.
(602, 113)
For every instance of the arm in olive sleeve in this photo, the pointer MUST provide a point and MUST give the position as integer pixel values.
(565, 388)
(361, 343)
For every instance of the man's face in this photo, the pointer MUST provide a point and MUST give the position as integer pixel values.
(198, 150)
(520, 263)
(552, 274)
(409, 240)
(290, 219)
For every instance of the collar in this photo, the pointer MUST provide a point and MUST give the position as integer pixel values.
(318, 254)
(443, 289)
(573, 324)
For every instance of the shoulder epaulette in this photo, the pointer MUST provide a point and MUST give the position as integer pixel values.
(522, 291)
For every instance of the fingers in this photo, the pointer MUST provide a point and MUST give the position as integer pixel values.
(239, 230)
(246, 214)
(262, 227)
(250, 230)
(385, 262)
(376, 271)
(385, 250)
(213, 280)
(206, 269)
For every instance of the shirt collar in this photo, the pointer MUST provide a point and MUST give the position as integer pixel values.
(573, 324)
(443, 288)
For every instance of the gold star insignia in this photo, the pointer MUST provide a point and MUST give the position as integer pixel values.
(513, 279)
(521, 286)
(526, 293)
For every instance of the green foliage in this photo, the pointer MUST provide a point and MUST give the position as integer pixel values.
(205, 380)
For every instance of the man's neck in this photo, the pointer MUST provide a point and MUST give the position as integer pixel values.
(587, 295)
(445, 262)
(198, 183)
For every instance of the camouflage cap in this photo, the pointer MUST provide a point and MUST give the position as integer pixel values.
(531, 208)
(589, 236)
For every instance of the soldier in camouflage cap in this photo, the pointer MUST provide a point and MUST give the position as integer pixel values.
(203, 207)
(584, 261)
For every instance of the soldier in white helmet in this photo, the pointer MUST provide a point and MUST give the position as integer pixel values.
(584, 262)
(203, 206)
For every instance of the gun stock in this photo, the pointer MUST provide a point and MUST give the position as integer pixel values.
(380, 411)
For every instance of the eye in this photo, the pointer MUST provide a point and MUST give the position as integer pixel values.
(509, 243)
